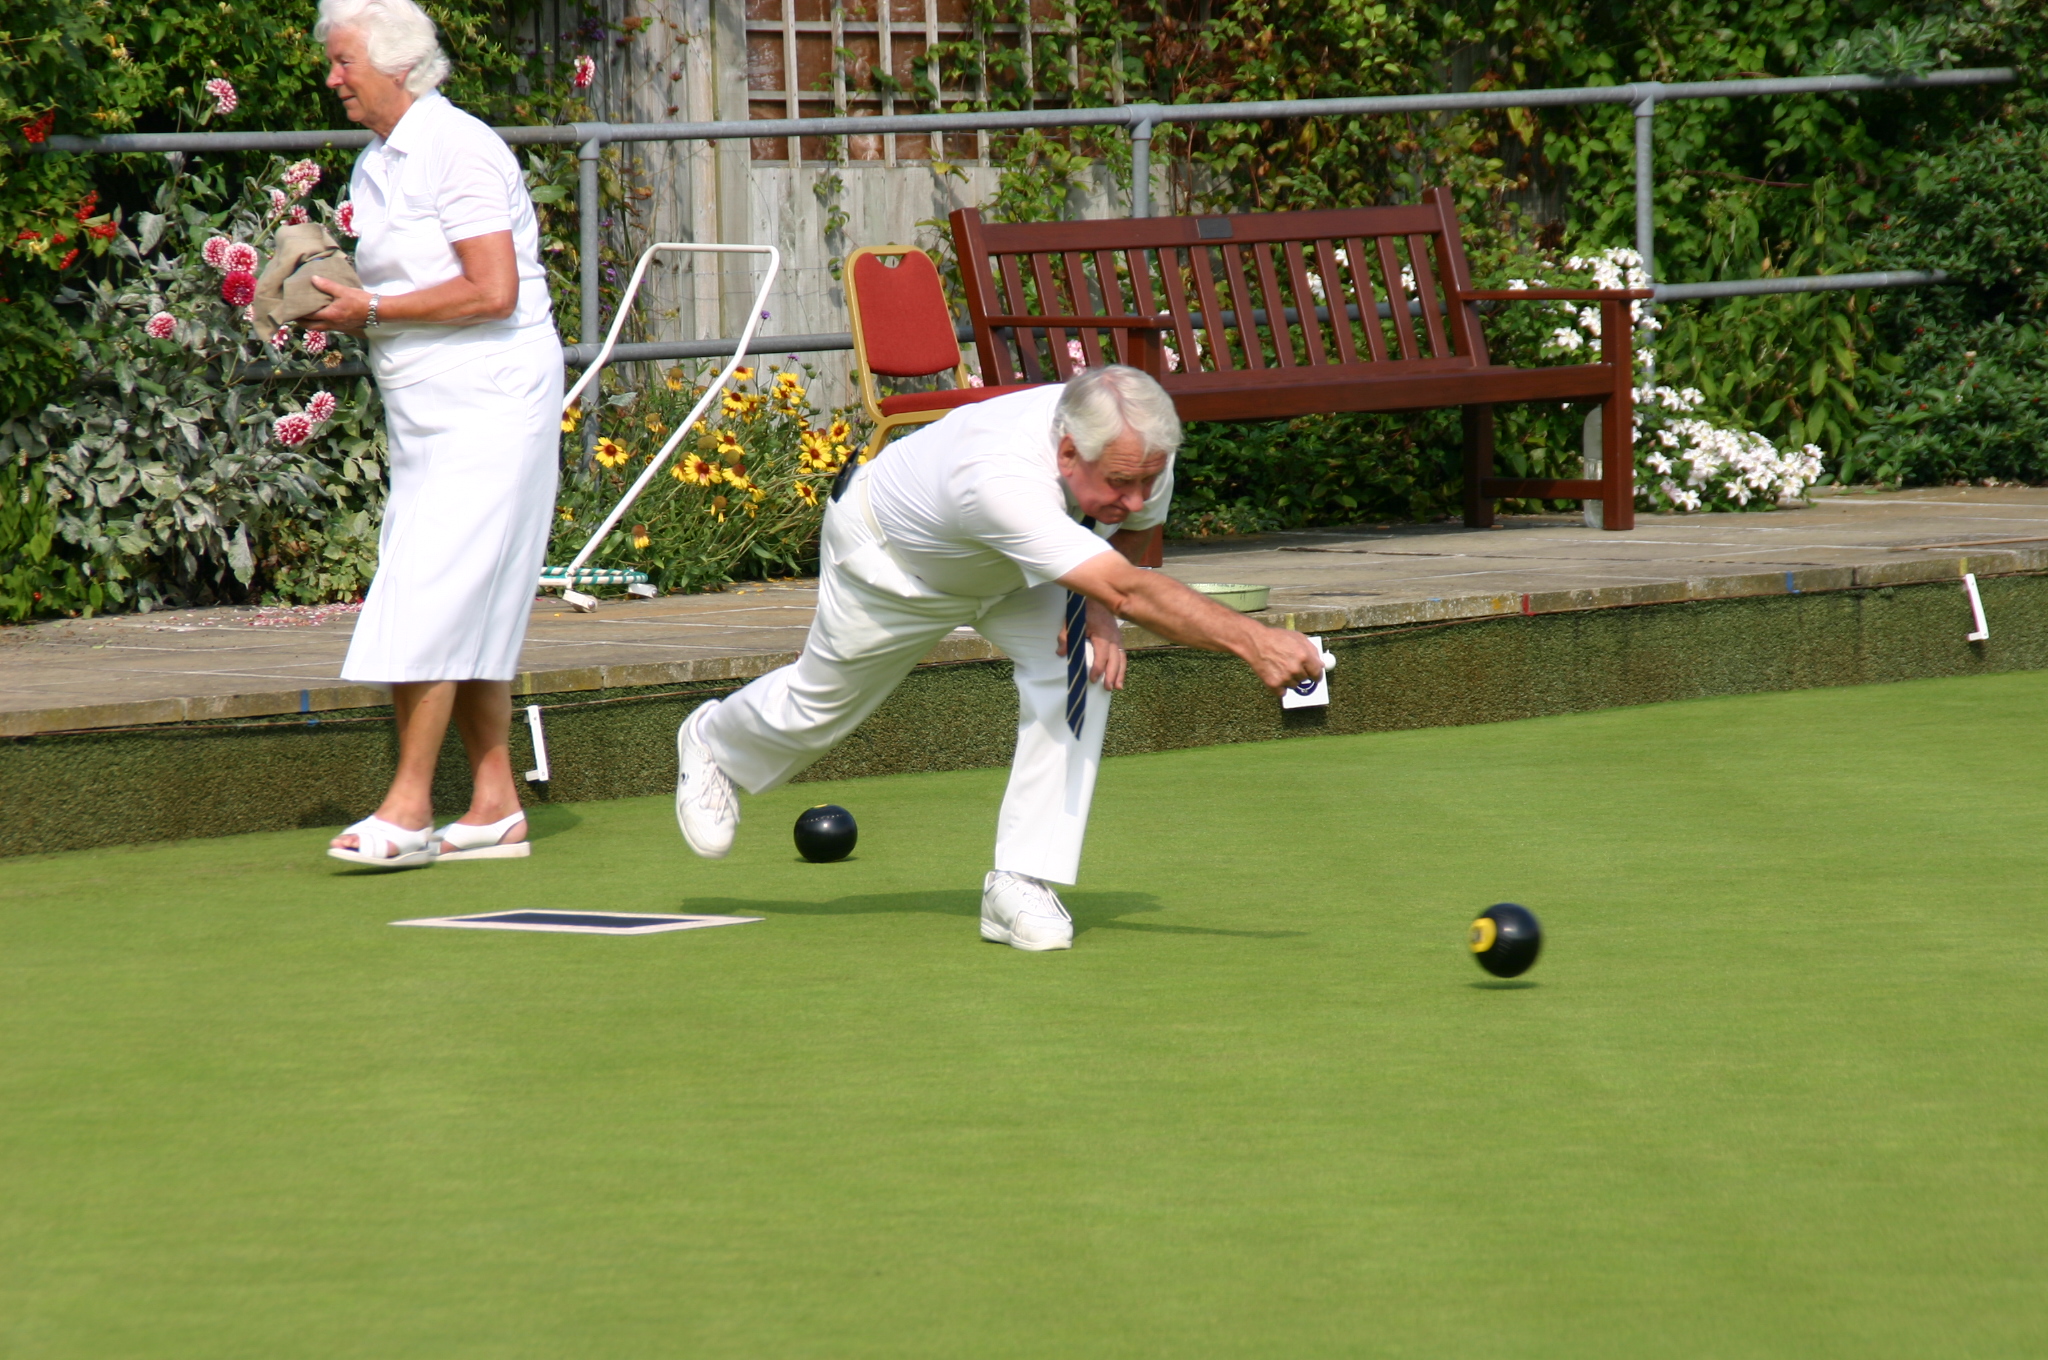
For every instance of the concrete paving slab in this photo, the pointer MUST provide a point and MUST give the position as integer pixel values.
(190, 665)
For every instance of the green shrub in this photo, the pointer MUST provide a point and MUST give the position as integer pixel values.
(1254, 476)
(35, 576)
(1969, 397)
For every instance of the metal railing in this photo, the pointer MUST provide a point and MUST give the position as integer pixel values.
(1139, 120)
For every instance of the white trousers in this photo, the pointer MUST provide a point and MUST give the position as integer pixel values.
(874, 622)
(475, 453)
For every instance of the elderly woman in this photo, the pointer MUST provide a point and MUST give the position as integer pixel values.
(455, 312)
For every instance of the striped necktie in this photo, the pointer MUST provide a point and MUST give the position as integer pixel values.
(1077, 654)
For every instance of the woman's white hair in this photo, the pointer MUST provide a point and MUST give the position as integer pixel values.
(399, 34)
(1101, 403)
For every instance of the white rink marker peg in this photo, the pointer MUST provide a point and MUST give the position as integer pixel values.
(539, 774)
(1983, 632)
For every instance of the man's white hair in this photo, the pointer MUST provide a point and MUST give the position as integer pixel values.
(1099, 404)
(399, 35)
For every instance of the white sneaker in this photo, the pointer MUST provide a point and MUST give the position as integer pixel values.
(707, 805)
(1023, 913)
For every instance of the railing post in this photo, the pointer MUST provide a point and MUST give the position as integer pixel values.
(1141, 162)
(592, 327)
(1646, 184)
(586, 221)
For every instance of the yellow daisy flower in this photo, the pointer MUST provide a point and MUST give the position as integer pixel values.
(611, 453)
(697, 472)
(808, 494)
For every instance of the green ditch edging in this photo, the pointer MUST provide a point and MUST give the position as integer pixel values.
(77, 791)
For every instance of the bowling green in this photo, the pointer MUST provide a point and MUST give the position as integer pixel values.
(1778, 1086)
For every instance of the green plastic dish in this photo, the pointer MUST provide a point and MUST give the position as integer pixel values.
(1245, 599)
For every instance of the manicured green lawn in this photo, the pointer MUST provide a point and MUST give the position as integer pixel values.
(1778, 1086)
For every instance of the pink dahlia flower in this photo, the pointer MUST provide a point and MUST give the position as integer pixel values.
(283, 338)
(300, 177)
(345, 218)
(586, 71)
(314, 342)
(241, 255)
(294, 429)
(162, 326)
(279, 203)
(297, 215)
(321, 407)
(224, 96)
(215, 251)
(238, 289)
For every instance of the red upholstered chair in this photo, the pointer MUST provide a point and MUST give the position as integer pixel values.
(902, 328)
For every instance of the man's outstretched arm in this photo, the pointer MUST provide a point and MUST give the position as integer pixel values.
(1278, 656)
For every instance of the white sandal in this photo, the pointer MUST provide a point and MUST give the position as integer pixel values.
(381, 845)
(482, 842)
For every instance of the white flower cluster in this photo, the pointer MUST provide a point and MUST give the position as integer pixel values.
(1615, 267)
(1697, 464)
(1721, 463)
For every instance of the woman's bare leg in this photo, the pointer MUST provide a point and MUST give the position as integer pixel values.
(483, 715)
(422, 717)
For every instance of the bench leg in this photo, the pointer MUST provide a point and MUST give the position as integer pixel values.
(1618, 463)
(1478, 465)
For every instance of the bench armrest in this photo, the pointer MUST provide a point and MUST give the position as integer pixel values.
(1162, 322)
(1556, 294)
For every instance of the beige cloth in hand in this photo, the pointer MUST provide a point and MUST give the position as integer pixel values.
(285, 292)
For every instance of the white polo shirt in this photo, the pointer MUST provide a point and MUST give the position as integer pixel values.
(974, 504)
(442, 176)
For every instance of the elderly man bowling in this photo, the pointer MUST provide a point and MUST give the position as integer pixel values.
(1020, 516)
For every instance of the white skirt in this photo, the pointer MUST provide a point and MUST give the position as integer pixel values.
(475, 458)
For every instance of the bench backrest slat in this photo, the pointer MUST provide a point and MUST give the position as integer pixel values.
(1397, 295)
(1368, 299)
(1212, 311)
(1263, 292)
(1426, 288)
(1338, 299)
(1015, 304)
(1269, 284)
(1081, 298)
(1183, 315)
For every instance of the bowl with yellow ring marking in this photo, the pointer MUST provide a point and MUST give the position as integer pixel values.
(1506, 939)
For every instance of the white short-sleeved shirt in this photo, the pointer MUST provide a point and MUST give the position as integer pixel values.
(974, 505)
(442, 176)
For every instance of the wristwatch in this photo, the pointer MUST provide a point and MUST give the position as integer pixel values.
(370, 322)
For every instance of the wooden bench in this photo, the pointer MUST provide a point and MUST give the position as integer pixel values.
(1272, 315)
